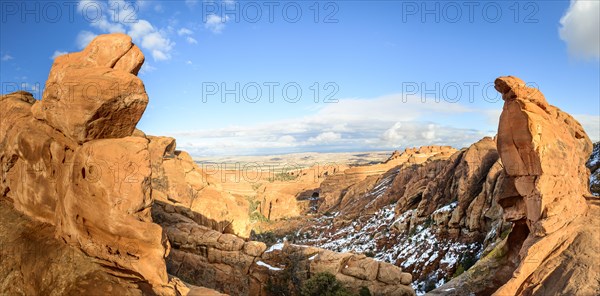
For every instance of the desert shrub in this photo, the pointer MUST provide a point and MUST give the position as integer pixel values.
(467, 261)
(268, 237)
(277, 288)
(324, 284)
(256, 216)
(459, 270)
(253, 211)
(428, 222)
(283, 177)
(364, 291)
(290, 280)
(255, 186)
(429, 284)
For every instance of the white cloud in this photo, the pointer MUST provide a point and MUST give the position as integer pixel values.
(140, 29)
(147, 68)
(57, 53)
(84, 38)
(383, 123)
(215, 23)
(121, 16)
(7, 57)
(286, 139)
(184, 31)
(191, 40)
(188, 62)
(591, 125)
(158, 44)
(409, 132)
(326, 137)
(580, 28)
(187, 32)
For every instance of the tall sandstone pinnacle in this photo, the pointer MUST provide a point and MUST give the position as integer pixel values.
(95, 93)
(70, 160)
(544, 151)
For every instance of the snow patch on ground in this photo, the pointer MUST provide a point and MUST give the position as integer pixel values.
(278, 246)
(446, 208)
(418, 252)
(268, 266)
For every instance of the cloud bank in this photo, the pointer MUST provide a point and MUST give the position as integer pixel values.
(580, 28)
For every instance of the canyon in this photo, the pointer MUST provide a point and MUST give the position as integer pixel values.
(92, 205)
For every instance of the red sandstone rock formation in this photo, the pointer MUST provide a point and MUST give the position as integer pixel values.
(544, 151)
(228, 263)
(70, 160)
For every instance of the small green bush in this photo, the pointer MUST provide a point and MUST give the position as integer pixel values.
(467, 261)
(283, 177)
(364, 291)
(459, 270)
(256, 216)
(256, 186)
(324, 284)
(268, 237)
(429, 284)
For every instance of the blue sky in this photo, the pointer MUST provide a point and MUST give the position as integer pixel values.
(376, 60)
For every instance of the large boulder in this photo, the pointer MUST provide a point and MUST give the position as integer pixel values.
(95, 93)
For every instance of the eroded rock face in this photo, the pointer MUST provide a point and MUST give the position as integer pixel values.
(532, 137)
(544, 151)
(434, 210)
(346, 189)
(113, 177)
(69, 160)
(29, 250)
(95, 94)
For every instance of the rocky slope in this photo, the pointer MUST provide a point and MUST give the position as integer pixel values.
(431, 214)
(439, 217)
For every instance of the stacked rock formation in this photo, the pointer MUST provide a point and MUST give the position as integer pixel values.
(545, 151)
(70, 160)
(227, 263)
(552, 248)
